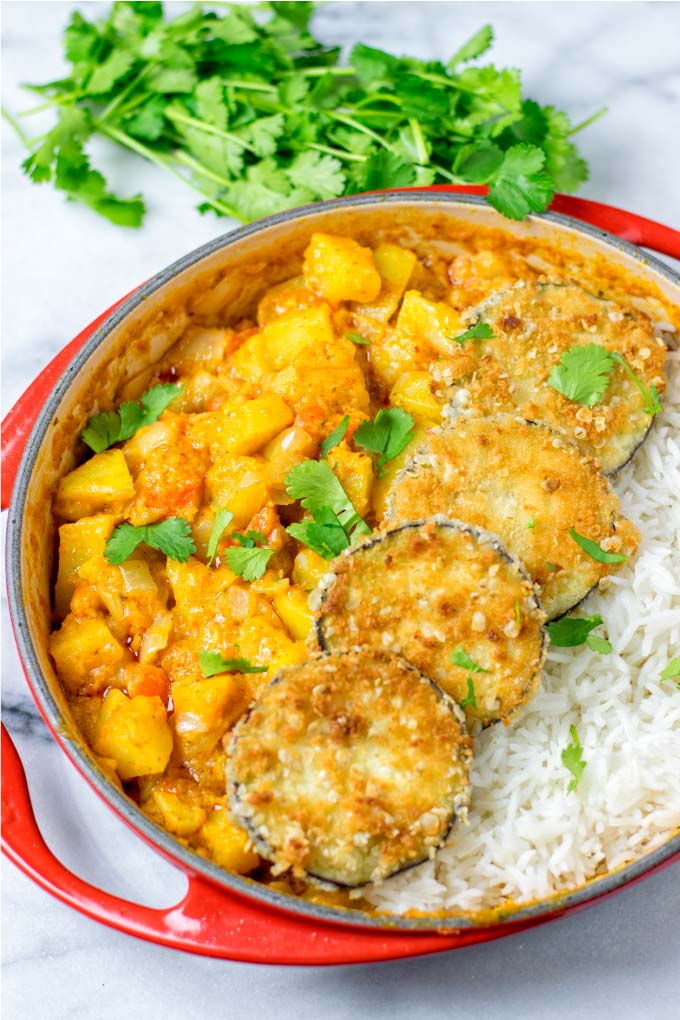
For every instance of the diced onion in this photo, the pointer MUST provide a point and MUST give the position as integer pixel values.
(156, 638)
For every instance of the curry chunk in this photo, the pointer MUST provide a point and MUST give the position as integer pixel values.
(102, 484)
(340, 269)
(78, 543)
(134, 732)
(86, 654)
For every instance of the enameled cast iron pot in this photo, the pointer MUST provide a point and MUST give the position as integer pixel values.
(222, 914)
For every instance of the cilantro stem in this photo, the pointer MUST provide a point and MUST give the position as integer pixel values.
(421, 148)
(164, 163)
(358, 126)
(17, 127)
(588, 121)
(248, 86)
(319, 72)
(651, 407)
(338, 153)
(124, 93)
(201, 125)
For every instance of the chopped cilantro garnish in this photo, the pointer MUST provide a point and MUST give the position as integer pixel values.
(223, 519)
(213, 662)
(572, 759)
(583, 374)
(358, 339)
(575, 630)
(317, 488)
(531, 523)
(595, 551)
(324, 535)
(336, 437)
(171, 537)
(255, 114)
(386, 436)
(480, 331)
(469, 698)
(246, 559)
(460, 658)
(672, 670)
(109, 427)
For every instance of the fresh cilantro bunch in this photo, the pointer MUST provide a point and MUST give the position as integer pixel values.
(254, 113)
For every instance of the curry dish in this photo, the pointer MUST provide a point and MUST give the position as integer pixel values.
(258, 495)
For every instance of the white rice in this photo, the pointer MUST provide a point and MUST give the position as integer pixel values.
(528, 837)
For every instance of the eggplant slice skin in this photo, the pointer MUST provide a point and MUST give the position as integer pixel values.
(428, 588)
(526, 483)
(533, 325)
(349, 768)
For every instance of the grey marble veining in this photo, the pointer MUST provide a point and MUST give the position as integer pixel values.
(61, 267)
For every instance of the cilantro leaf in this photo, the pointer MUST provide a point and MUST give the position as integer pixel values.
(109, 427)
(248, 563)
(572, 759)
(459, 657)
(336, 437)
(319, 173)
(599, 644)
(213, 662)
(385, 169)
(470, 698)
(223, 519)
(325, 535)
(521, 185)
(315, 485)
(474, 47)
(387, 435)
(595, 551)
(572, 630)
(672, 670)
(650, 396)
(480, 331)
(110, 71)
(357, 339)
(582, 374)
(171, 537)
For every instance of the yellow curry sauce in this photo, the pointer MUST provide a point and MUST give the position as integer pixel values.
(359, 330)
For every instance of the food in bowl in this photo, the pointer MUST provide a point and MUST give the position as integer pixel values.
(436, 592)
(527, 483)
(253, 453)
(349, 768)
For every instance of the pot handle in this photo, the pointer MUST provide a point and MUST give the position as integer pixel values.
(209, 920)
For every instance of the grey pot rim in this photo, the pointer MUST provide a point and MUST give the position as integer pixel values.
(188, 861)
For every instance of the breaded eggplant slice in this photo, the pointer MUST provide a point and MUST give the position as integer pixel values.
(428, 589)
(533, 325)
(526, 483)
(349, 767)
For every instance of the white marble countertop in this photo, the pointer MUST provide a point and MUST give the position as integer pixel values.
(62, 266)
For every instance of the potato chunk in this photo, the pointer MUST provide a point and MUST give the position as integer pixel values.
(134, 732)
(78, 543)
(412, 393)
(103, 483)
(242, 428)
(286, 336)
(340, 269)
(204, 710)
(86, 653)
(227, 843)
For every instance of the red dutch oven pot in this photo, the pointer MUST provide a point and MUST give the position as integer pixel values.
(225, 915)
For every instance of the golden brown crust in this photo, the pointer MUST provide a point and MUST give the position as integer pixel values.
(349, 767)
(533, 326)
(529, 485)
(425, 589)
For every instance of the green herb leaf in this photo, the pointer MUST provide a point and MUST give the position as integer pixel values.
(387, 435)
(248, 563)
(470, 699)
(582, 374)
(480, 331)
(650, 396)
(572, 759)
(213, 662)
(531, 524)
(479, 43)
(572, 630)
(325, 535)
(171, 537)
(460, 658)
(315, 485)
(336, 437)
(223, 519)
(672, 670)
(357, 339)
(109, 427)
(521, 185)
(599, 644)
(595, 551)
